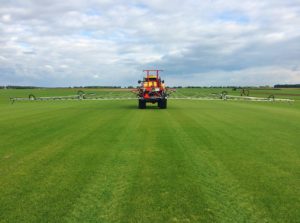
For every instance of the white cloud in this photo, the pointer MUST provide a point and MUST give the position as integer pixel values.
(212, 42)
(6, 18)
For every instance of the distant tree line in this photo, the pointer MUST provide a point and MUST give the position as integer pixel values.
(233, 87)
(34, 87)
(19, 87)
(287, 86)
(97, 87)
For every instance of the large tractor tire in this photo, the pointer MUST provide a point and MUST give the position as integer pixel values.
(162, 104)
(142, 104)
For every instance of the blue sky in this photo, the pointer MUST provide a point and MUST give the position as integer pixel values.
(67, 43)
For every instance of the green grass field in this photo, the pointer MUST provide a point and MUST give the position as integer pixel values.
(107, 161)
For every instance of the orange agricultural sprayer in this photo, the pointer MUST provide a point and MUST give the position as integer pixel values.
(152, 90)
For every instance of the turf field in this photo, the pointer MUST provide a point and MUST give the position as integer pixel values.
(107, 161)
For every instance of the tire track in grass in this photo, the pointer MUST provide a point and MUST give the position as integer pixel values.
(100, 199)
(161, 189)
(228, 201)
(97, 166)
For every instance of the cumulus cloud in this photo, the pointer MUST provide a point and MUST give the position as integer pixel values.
(64, 43)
